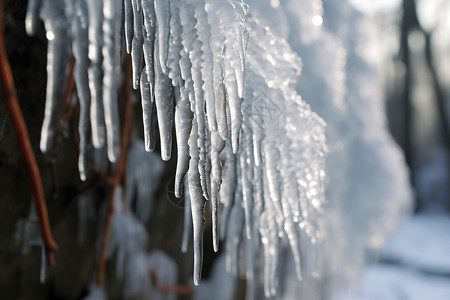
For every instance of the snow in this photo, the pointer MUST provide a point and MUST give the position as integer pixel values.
(422, 243)
(395, 283)
(414, 263)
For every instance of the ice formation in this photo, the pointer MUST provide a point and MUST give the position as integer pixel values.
(188, 58)
(279, 166)
(367, 183)
(229, 84)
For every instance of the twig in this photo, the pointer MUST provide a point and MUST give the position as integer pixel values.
(164, 288)
(117, 175)
(9, 94)
(66, 112)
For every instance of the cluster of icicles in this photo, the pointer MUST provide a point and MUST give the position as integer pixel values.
(188, 59)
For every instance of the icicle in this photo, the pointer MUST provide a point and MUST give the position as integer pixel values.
(162, 11)
(183, 126)
(175, 45)
(257, 136)
(43, 270)
(137, 43)
(149, 30)
(290, 206)
(185, 68)
(217, 145)
(129, 25)
(268, 230)
(234, 235)
(204, 36)
(32, 17)
(251, 262)
(80, 51)
(240, 69)
(148, 113)
(239, 43)
(235, 106)
(58, 61)
(111, 63)
(197, 202)
(193, 46)
(228, 187)
(187, 226)
(164, 106)
(217, 49)
(294, 242)
(272, 158)
(221, 109)
(246, 163)
(95, 72)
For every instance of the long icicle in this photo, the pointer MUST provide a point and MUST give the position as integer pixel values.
(137, 42)
(80, 51)
(148, 113)
(58, 61)
(95, 72)
(183, 126)
(187, 226)
(162, 11)
(197, 202)
(164, 106)
(111, 54)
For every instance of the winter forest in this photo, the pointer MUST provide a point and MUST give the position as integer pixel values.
(225, 149)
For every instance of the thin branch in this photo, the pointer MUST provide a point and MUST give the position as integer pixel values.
(117, 175)
(9, 94)
(67, 109)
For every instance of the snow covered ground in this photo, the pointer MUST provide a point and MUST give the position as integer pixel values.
(414, 265)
